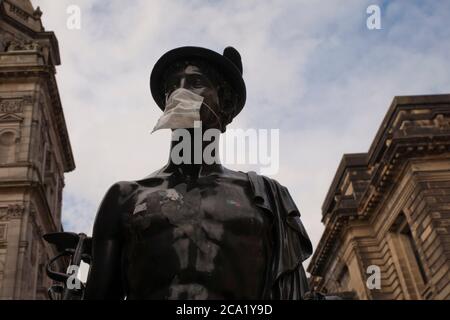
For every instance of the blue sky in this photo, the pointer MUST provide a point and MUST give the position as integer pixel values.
(312, 69)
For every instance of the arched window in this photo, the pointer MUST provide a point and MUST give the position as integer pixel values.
(7, 146)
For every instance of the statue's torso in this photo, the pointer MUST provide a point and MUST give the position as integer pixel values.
(203, 239)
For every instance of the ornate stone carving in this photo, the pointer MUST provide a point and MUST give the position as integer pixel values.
(442, 122)
(14, 105)
(15, 211)
(18, 12)
(11, 106)
(23, 45)
(37, 13)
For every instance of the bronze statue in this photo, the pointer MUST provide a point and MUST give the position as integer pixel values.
(198, 230)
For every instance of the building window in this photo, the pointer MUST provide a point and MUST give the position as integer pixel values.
(2, 232)
(7, 147)
(411, 264)
(343, 279)
(48, 161)
(412, 244)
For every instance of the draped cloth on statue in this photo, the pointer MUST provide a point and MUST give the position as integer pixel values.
(287, 279)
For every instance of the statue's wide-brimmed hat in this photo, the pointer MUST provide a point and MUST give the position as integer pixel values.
(229, 64)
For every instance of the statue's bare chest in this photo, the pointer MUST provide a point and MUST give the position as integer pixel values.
(209, 205)
(209, 227)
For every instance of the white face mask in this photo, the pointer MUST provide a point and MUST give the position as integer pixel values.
(182, 110)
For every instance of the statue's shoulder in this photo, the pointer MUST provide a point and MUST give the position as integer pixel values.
(237, 175)
(155, 176)
(262, 179)
(120, 191)
(263, 187)
(126, 187)
(257, 181)
(109, 213)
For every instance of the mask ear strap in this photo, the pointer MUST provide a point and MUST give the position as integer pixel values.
(166, 97)
(214, 113)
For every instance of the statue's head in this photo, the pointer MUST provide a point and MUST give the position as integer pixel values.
(217, 78)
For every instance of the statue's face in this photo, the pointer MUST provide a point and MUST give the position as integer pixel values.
(193, 78)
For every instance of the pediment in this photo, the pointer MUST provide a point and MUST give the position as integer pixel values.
(10, 117)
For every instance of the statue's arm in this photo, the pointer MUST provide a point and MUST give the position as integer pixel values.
(104, 280)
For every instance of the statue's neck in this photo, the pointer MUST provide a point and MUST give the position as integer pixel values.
(190, 154)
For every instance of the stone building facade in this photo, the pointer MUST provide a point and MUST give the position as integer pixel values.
(34, 150)
(387, 212)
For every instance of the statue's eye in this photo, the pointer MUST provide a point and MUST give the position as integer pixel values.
(198, 83)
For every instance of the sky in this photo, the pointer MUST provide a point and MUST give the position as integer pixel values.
(313, 70)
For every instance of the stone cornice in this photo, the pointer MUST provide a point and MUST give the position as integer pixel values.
(404, 103)
(327, 243)
(413, 133)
